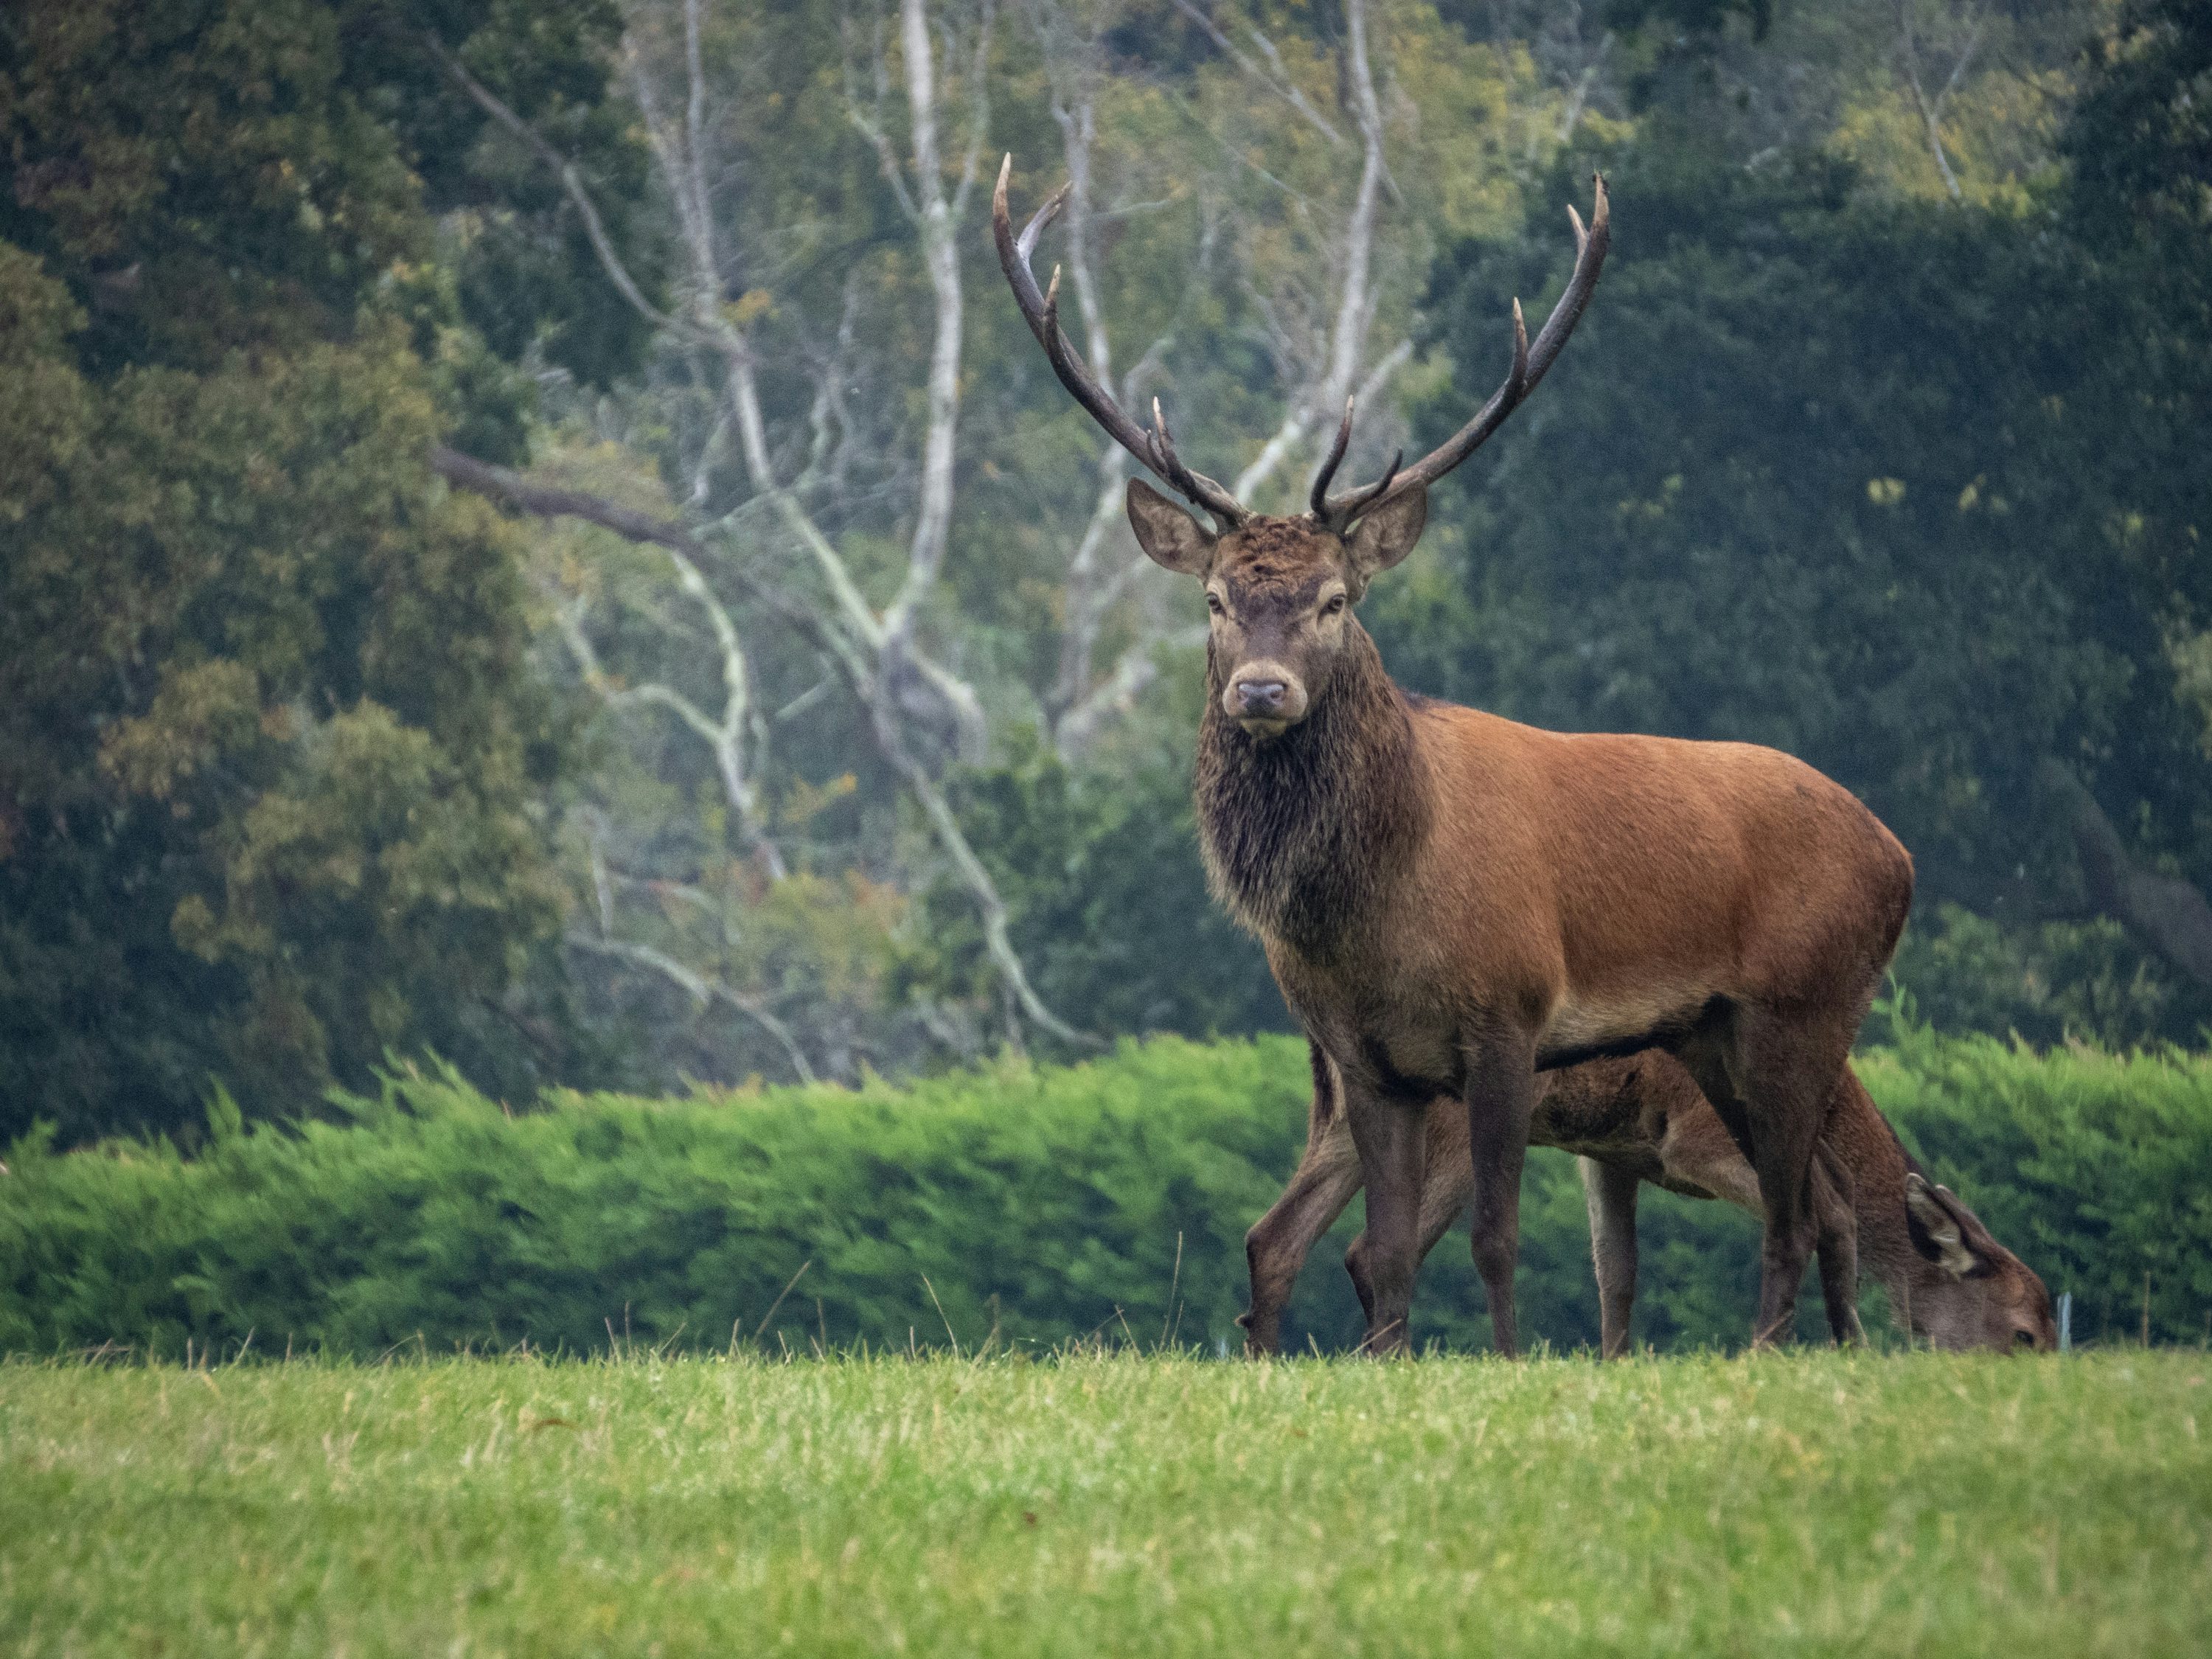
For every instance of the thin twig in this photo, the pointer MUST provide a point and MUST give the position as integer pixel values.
(572, 184)
(701, 989)
(939, 1306)
(1175, 1279)
(1280, 83)
(780, 1296)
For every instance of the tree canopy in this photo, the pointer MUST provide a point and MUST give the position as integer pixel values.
(536, 532)
(1903, 487)
(272, 757)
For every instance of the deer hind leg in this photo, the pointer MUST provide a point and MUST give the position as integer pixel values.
(1789, 1064)
(1276, 1247)
(1768, 1074)
(1501, 1099)
(1611, 1194)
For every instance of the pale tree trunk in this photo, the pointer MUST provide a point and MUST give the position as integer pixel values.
(1082, 701)
(1931, 108)
(876, 652)
(1078, 706)
(1079, 128)
(1321, 401)
(937, 222)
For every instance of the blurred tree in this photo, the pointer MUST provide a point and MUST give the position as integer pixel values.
(1905, 489)
(1878, 446)
(269, 746)
(878, 544)
(2140, 141)
(1103, 877)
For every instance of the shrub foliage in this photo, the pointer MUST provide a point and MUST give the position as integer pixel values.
(1043, 1203)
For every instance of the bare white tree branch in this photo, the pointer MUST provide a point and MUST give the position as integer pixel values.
(1321, 400)
(938, 227)
(1278, 83)
(703, 988)
(945, 824)
(724, 737)
(572, 183)
(1931, 109)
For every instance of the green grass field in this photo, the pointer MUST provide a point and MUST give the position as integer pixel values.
(1801, 1502)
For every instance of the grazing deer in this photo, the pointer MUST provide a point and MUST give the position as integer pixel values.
(1451, 903)
(1641, 1118)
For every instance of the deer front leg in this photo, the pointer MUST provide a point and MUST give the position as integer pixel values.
(1501, 1099)
(1447, 1178)
(1389, 1132)
(1611, 1194)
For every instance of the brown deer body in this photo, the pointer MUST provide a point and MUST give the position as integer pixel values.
(1451, 901)
(1641, 1118)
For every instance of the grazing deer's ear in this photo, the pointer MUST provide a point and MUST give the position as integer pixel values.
(1947, 1232)
(1169, 536)
(1388, 534)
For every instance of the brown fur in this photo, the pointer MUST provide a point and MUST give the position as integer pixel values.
(1642, 1119)
(1451, 901)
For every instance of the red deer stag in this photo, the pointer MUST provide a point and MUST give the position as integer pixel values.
(1450, 901)
(1641, 1118)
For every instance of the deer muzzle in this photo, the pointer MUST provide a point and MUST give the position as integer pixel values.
(1265, 698)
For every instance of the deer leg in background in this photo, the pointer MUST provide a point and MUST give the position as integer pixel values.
(1390, 1132)
(1501, 1099)
(1753, 1065)
(1277, 1246)
(1448, 1179)
(1611, 1194)
(1327, 1177)
(1838, 1249)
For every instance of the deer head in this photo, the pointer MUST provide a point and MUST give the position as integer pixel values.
(1973, 1293)
(1279, 590)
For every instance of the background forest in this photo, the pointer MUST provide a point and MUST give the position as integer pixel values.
(535, 533)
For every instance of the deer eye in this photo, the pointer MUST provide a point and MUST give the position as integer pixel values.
(1335, 607)
(2023, 1339)
(1213, 603)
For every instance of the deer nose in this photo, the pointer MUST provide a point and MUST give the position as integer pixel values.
(1261, 697)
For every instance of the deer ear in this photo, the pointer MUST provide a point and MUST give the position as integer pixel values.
(1169, 536)
(1388, 534)
(1947, 1232)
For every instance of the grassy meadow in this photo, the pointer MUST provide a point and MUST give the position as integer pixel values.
(1808, 1502)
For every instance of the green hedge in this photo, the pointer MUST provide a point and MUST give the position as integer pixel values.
(2095, 1168)
(1048, 1202)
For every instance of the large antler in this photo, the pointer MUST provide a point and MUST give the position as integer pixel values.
(1529, 364)
(1156, 448)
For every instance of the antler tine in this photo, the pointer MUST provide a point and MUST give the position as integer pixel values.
(1360, 499)
(1026, 243)
(1196, 486)
(1530, 362)
(1319, 499)
(1590, 248)
(1041, 310)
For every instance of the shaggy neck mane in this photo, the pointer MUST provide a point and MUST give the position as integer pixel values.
(1300, 832)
